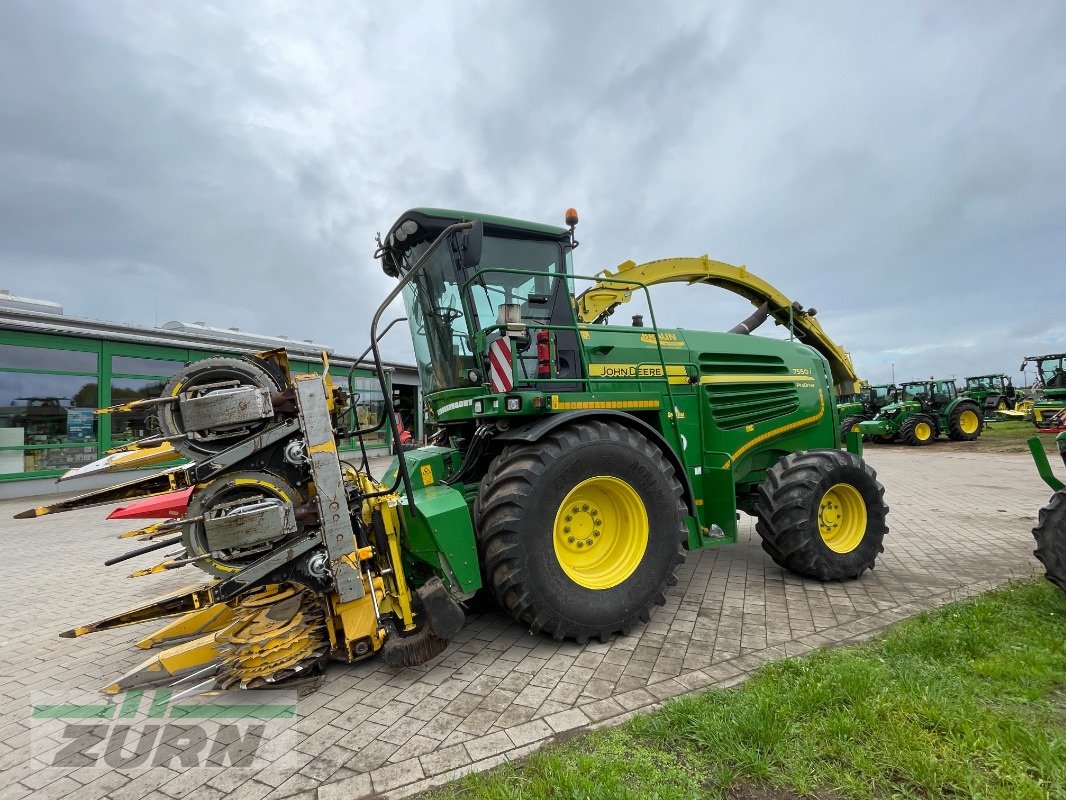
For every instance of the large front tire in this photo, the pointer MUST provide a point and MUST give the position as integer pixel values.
(847, 424)
(821, 514)
(965, 422)
(918, 430)
(1050, 535)
(581, 532)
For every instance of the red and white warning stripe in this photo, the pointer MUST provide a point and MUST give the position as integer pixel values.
(500, 377)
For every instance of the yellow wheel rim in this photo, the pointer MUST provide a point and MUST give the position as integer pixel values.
(968, 421)
(842, 518)
(1001, 405)
(601, 532)
(923, 431)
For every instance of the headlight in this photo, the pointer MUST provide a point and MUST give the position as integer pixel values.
(514, 403)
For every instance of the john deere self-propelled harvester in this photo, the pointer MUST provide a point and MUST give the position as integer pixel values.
(925, 410)
(1050, 387)
(576, 463)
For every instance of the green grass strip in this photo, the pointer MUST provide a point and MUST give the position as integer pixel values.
(964, 702)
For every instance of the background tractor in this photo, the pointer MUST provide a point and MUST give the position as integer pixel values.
(865, 405)
(925, 410)
(1049, 388)
(577, 462)
(992, 392)
(1050, 530)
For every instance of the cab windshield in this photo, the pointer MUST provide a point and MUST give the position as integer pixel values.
(1052, 374)
(914, 391)
(441, 330)
(435, 314)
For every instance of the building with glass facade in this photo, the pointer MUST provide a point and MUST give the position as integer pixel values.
(56, 371)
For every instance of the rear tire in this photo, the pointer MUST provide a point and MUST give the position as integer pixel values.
(965, 423)
(847, 424)
(918, 430)
(1050, 535)
(531, 557)
(821, 514)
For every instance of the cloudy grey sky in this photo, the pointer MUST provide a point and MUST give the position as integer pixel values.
(899, 166)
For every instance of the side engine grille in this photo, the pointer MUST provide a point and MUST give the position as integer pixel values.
(741, 364)
(739, 404)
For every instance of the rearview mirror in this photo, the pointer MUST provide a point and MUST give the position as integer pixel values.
(470, 242)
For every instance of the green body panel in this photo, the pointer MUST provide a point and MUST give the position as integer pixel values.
(440, 531)
(449, 215)
(852, 409)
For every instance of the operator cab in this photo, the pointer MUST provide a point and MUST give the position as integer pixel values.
(457, 305)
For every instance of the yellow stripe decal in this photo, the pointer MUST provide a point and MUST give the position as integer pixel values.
(757, 379)
(590, 404)
(778, 431)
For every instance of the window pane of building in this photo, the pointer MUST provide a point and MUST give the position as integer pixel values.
(130, 425)
(132, 365)
(39, 410)
(368, 405)
(51, 458)
(14, 356)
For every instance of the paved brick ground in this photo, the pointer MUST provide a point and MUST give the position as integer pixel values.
(960, 523)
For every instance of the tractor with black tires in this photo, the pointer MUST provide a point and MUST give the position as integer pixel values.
(992, 392)
(1050, 530)
(924, 411)
(865, 405)
(576, 462)
(1049, 388)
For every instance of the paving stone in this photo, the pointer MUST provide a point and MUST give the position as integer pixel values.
(486, 746)
(444, 759)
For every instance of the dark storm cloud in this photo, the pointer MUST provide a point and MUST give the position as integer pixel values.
(898, 167)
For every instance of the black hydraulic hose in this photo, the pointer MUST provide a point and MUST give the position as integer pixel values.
(754, 321)
(390, 411)
(140, 551)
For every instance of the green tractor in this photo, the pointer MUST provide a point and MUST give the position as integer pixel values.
(865, 405)
(1049, 388)
(1050, 530)
(925, 410)
(992, 392)
(574, 464)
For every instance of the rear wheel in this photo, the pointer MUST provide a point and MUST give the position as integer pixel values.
(1050, 535)
(581, 532)
(965, 422)
(821, 514)
(847, 424)
(918, 430)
